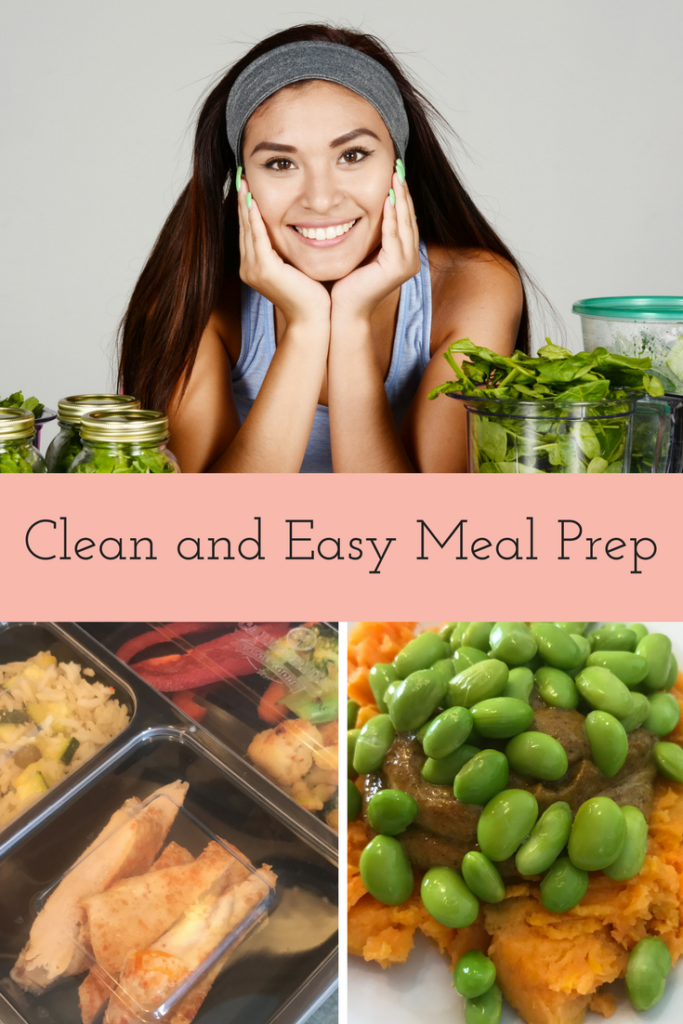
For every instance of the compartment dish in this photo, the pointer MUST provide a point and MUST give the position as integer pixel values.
(267, 690)
(281, 969)
(56, 712)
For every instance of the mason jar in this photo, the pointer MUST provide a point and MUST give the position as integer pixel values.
(133, 441)
(64, 448)
(18, 454)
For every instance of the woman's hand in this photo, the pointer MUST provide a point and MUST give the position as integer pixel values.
(299, 298)
(398, 259)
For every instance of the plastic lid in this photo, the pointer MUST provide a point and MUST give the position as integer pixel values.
(73, 408)
(142, 426)
(243, 680)
(16, 424)
(632, 307)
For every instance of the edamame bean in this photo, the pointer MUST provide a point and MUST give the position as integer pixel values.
(555, 646)
(608, 742)
(501, 717)
(584, 650)
(505, 822)
(385, 871)
(672, 674)
(447, 898)
(474, 974)
(416, 698)
(513, 643)
(656, 649)
(639, 629)
(420, 653)
(547, 840)
(598, 834)
(477, 635)
(391, 811)
(641, 709)
(614, 636)
(380, 677)
(632, 856)
(466, 656)
(664, 716)
(538, 755)
(604, 691)
(441, 772)
(572, 627)
(351, 737)
(482, 878)
(476, 683)
(372, 743)
(669, 761)
(455, 640)
(563, 886)
(648, 967)
(446, 630)
(352, 709)
(355, 802)
(520, 684)
(486, 1009)
(556, 688)
(484, 775)
(447, 732)
(630, 668)
(444, 669)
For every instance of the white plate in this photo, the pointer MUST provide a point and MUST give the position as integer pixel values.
(421, 989)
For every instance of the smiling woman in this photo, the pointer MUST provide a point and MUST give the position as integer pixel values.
(322, 359)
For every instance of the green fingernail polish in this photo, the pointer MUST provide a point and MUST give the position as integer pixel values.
(392, 196)
(238, 178)
(400, 170)
(249, 200)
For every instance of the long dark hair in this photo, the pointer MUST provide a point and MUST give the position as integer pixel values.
(198, 245)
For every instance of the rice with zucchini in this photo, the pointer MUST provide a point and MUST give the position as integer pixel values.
(53, 717)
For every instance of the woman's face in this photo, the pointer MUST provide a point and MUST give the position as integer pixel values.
(318, 160)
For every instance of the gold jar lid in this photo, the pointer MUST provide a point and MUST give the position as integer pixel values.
(16, 424)
(70, 410)
(133, 426)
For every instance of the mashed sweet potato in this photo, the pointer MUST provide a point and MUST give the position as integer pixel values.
(550, 966)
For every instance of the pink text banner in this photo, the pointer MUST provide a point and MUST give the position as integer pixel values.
(341, 547)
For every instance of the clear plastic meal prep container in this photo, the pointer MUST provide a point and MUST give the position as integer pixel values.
(269, 691)
(286, 965)
(638, 325)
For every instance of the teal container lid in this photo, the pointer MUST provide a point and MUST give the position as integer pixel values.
(632, 307)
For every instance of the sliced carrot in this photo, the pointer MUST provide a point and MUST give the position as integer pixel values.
(268, 709)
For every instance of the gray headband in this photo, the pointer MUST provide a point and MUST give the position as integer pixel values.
(331, 62)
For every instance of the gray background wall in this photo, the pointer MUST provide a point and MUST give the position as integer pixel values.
(569, 113)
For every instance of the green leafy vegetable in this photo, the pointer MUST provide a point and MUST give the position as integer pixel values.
(17, 401)
(555, 436)
(123, 458)
(64, 449)
(20, 457)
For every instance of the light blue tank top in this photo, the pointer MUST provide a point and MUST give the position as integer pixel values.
(409, 359)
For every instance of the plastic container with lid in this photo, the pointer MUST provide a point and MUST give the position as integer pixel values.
(134, 441)
(508, 436)
(275, 965)
(638, 325)
(18, 453)
(64, 448)
(268, 690)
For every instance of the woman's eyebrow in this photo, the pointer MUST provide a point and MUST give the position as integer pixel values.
(277, 147)
(343, 139)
